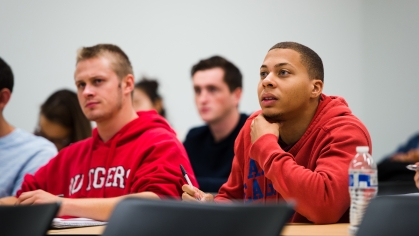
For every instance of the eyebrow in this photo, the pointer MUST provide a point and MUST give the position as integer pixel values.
(277, 65)
(282, 64)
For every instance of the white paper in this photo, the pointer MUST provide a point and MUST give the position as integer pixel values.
(60, 223)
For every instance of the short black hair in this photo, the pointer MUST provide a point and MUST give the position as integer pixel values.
(150, 88)
(232, 75)
(6, 76)
(309, 58)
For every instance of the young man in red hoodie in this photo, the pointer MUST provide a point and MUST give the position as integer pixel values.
(299, 146)
(129, 153)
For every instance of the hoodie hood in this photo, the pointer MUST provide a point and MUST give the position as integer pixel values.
(146, 120)
(330, 107)
(329, 110)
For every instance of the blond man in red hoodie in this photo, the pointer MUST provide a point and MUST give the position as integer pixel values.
(130, 153)
(298, 147)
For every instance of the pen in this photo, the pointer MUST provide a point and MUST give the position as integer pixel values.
(188, 180)
(412, 167)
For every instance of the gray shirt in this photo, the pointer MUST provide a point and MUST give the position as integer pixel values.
(21, 153)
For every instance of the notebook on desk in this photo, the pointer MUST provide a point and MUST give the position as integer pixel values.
(60, 223)
(27, 219)
(134, 216)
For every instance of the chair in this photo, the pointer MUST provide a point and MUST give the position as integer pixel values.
(27, 219)
(391, 215)
(134, 216)
(396, 187)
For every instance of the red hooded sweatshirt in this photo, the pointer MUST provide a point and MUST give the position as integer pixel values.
(313, 172)
(143, 156)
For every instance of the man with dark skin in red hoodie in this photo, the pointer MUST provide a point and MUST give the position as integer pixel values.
(299, 146)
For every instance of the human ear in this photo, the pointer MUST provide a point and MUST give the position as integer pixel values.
(237, 94)
(129, 84)
(5, 95)
(317, 88)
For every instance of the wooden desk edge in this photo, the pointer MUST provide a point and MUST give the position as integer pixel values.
(92, 230)
(340, 229)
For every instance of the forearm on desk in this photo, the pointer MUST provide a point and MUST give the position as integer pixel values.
(96, 208)
(8, 200)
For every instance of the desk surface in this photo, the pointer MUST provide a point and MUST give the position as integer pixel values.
(289, 230)
(310, 229)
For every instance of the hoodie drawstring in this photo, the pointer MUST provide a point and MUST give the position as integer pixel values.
(109, 159)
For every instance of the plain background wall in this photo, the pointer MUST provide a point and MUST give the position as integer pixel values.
(367, 47)
(391, 72)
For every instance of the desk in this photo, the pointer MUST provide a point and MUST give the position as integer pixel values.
(310, 229)
(289, 230)
(95, 230)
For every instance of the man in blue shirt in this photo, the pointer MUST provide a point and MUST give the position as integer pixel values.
(218, 87)
(20, 152)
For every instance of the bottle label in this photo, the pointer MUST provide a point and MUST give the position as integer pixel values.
(360, 179)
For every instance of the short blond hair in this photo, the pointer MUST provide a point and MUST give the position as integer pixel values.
(119, 60)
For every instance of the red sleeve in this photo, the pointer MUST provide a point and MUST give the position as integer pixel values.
(159, 171)
(321, 194)
(34, 181)
(29, 184)
(52, 177)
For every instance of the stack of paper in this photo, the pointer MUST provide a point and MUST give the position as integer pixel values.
(75, 222)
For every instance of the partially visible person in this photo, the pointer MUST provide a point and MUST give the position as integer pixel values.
(20, 152)
(61, 119)
(146, 96)
(299, 146)
(130, 154)
(218, 88)
(416, 176)
(393, 167)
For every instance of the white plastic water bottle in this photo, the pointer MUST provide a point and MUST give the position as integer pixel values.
(363, 185)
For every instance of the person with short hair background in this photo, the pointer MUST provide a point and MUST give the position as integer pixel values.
(21, 152)
(146, 96)
(217, 84)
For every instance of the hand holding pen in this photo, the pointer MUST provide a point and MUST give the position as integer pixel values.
(190, 193)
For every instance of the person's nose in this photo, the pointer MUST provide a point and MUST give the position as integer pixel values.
(203, 97)
(269, 81)
(88, 91)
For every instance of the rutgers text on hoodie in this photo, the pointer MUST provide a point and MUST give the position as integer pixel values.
(143, 156)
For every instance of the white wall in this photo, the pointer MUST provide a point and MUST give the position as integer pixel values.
(368, 49)
(391, 72)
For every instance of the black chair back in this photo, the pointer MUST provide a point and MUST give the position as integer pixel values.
(134, 216)
(27, 219)
(396, 187)
(391, 215)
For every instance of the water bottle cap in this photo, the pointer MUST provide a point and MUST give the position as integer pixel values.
(362, 149)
